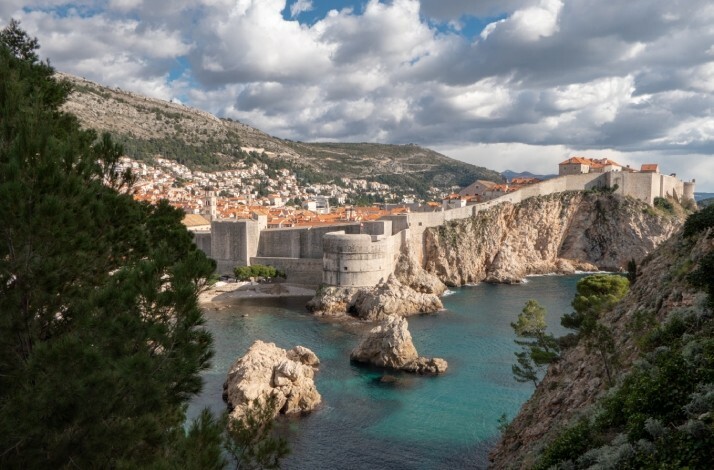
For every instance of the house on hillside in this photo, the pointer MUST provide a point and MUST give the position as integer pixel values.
(479, 188)
(580, 165)
(649, 168)
(453, 201)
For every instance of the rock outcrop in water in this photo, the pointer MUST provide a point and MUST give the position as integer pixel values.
(389, 297)
(559, 233)
(390, 345)
(267, 370)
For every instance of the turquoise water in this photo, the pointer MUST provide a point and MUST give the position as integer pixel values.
(418, 422)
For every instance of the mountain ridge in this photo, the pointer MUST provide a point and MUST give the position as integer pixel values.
(149, 128)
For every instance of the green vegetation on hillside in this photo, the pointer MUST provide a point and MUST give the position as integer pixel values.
(200, 142)
(661, 413)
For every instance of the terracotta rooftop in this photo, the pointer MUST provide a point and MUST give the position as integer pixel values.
(194, 220)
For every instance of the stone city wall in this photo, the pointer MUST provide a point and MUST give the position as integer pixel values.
(300, 242)
(354, 254)
(307, 271)
(233, 243)
(203, 242)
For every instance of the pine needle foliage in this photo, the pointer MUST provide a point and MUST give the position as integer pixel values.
(101, 343)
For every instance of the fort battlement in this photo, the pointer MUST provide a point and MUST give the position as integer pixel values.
(360, 255)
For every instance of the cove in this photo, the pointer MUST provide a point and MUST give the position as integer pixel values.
(418, 422)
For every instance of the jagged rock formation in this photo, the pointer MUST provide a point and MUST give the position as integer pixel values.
(558, 233)
(410, 273)
(574, 385)
(389, 297)
(267, 370)
(390, 345)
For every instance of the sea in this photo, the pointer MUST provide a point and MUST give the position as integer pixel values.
(416, 422)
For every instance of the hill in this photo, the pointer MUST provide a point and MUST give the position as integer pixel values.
(150, 128)
(658, 342)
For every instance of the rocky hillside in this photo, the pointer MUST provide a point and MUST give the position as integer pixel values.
(556, 233)
(149, 128)
(657, 412)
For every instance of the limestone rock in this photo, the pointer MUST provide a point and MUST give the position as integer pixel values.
(559, 233)
(330, 301)
(390, 345)
(410, 273)
(424, 365)
(391, 297)
(577, 382)
(267, 370)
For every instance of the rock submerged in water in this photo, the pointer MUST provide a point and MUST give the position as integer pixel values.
(390, 345)
(389, 297)
(267, 370)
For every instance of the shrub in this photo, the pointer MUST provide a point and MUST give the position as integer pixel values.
(699, 221)
(245, 273)
(663, 204)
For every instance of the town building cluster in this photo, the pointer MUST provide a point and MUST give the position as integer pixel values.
(250, 192)
(276, 198)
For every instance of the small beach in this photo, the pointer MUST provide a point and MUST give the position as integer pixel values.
(222, 293)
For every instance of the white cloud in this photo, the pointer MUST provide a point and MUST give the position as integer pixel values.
(535, 22)
(552, 77)
(300, 6)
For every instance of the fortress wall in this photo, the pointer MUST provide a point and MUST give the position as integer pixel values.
(311, 239)
(671, 186)
(297, 270)
(688, 190)
(233, 243)
(280, 243)
(458, 213)
(642, 186)
(354, 260)
(377, 227)
(299, 242)
(399, 222)
(203, 242)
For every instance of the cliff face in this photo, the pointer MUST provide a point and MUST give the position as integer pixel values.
(559, 233)
(577, 381)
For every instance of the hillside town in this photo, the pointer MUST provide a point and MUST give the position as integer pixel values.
(252, 191)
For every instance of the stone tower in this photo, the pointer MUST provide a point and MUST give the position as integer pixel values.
(209, 205)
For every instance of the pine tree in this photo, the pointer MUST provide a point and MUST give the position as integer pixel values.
(101, 343)
(539, 348)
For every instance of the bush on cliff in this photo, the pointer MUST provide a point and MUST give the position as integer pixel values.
(539, 348)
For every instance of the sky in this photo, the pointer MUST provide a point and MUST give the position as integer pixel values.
(505, 84)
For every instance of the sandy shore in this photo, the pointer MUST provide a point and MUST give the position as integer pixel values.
(224, 292)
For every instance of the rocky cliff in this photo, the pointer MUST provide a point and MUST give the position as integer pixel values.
(558, 233)
(662, 317)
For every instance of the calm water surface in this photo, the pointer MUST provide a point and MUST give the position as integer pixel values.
(418, 422)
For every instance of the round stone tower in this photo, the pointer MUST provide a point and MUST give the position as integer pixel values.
(354, 260)
(689, 190)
